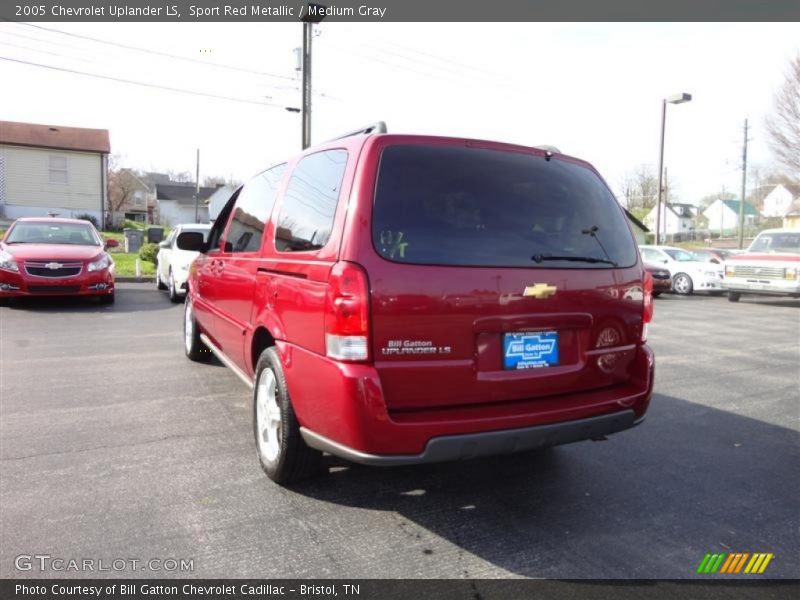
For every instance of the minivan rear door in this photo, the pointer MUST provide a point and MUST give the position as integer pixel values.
(498, 274)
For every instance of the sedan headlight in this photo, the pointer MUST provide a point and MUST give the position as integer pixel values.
(7, 262)
(101, 263)
(711, 274)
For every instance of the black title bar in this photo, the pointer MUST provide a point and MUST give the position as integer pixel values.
(400, 10)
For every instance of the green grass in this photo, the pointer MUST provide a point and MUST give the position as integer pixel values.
(126, 265)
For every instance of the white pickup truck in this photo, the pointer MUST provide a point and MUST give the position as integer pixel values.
(771, 265)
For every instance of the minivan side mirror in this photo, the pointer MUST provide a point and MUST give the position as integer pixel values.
(191, 241)
(164, 244)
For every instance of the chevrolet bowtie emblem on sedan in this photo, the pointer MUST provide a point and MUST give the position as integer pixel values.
(53, 266)
(540, 290)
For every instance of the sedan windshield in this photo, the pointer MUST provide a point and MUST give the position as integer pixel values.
(777, 242)
(43, 232)
(680, 255)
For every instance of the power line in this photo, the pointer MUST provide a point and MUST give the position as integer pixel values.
(141, 83)
(159, 53)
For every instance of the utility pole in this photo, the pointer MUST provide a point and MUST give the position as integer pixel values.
(313, 13)
(722, 213)
(197, 190)
(744, 183)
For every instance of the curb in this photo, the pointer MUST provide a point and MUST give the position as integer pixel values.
(143, 279)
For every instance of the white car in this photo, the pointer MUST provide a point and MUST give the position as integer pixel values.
(172, 263)
(688, 274)
(771, 266)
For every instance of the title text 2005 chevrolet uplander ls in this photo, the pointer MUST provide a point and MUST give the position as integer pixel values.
(396, 299)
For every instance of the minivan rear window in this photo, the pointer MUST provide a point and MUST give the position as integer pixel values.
(447, 205)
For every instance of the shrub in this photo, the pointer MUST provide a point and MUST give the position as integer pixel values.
(148, 252)
(90, 218)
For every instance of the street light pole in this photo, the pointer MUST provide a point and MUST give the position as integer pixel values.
(660, 171)
(676, 99)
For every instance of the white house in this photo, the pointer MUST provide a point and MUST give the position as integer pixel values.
(675, 218)
(778, 201)
(49, 169)
(176, 203)
(218, 200)
(724, 214)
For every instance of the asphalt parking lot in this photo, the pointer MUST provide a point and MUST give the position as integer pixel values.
(113, 445)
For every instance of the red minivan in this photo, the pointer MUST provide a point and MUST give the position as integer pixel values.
(398, 299)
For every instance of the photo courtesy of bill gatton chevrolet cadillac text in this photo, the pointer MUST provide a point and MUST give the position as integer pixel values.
(399, 299)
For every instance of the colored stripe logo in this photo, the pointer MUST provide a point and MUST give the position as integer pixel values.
(735, 563)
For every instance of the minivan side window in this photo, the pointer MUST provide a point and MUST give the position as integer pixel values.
(218, 228)
(252, 210)
(309, 205)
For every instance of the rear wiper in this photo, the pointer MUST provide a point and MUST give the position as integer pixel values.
(587, 259)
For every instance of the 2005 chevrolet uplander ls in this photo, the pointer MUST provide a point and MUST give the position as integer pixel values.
(395, 299)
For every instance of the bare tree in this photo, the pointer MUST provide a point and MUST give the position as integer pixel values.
(784, 124)
(640, 187)
(180, 176)
(214, 180)
(122, 184)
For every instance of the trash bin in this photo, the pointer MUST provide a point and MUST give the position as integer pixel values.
(155, 235)
(133, 239)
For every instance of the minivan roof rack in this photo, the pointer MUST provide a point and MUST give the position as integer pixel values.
(377, 127)
(548, 148)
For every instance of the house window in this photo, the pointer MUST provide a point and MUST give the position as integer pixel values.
(58, 169)
(138, 199)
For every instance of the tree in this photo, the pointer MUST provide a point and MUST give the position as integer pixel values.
(640, 187)
(783, 125)
(122, 184)
(180, 176)
(214, 180)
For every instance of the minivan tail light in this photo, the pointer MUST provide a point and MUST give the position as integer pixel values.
(347, 313)
(647, 307)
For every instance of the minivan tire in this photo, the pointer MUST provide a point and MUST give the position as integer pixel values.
(281, 450)
(682, 284)
(195, 349)
(734, 296)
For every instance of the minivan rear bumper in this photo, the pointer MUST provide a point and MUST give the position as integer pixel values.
(341, 410)
(485, 443)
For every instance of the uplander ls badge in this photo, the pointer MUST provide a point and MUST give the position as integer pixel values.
(540, 290)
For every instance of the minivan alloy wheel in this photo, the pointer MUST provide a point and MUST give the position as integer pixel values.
(268, 417)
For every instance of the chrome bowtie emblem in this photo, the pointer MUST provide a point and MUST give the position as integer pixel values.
(540, 290)
(53, 266)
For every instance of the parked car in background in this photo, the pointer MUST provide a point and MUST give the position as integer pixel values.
(662, 280)
(55, 257)
(172, 263)
(689, 275)
(712, 255)
(771, 265)
(399, 299)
